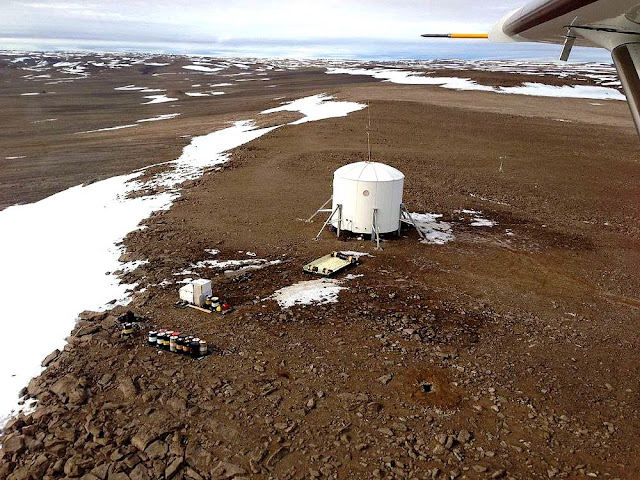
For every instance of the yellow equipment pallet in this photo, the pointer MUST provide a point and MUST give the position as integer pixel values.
(330, 264)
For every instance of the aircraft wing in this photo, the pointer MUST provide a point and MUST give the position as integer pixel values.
(550, 21)
(610, 24)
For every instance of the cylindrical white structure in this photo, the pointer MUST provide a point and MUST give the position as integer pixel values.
(360, 188)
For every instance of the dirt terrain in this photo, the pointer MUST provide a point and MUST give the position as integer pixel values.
(509, 352)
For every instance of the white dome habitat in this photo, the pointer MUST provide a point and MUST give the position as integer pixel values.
(362, 188)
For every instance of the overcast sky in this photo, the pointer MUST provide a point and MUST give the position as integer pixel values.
(334, 28)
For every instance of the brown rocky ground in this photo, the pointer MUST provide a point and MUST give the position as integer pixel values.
(529, 340)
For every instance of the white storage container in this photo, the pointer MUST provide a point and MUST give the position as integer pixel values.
(186, 293)
(362, 188)
(196, 292)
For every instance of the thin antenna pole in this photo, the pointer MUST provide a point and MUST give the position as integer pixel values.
(369, 133)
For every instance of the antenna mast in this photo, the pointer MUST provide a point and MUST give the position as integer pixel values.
(368, 133)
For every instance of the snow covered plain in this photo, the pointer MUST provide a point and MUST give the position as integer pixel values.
(405, 77)
(40, 66)
(73, 238)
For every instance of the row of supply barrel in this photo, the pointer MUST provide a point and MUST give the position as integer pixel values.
(177, 342)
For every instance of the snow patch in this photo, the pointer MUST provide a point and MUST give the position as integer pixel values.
(477, 218)
(252, 262)
(82, 226)
(133, 88)
(183, 272)
(483, 222)
(405, 77)
(107, 129)
(309, 292)
(218, 264)
(129, 88)
(355, 254)
(435, 231)
(201, 68)
(166, 116)
(131, 266)
(207, 151)
(159, 99)
(317, 107)
(564, 91)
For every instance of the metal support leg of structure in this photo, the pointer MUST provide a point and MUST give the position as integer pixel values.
(406, 217)
(374, 229)
(338, 209)
(339, 218)
(320, 210)
(627, 61)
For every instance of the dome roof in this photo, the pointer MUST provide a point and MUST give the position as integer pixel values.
(368, 172)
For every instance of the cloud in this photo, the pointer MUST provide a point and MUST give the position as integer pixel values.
(249, 19)
(331, 27)
(54, 5)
